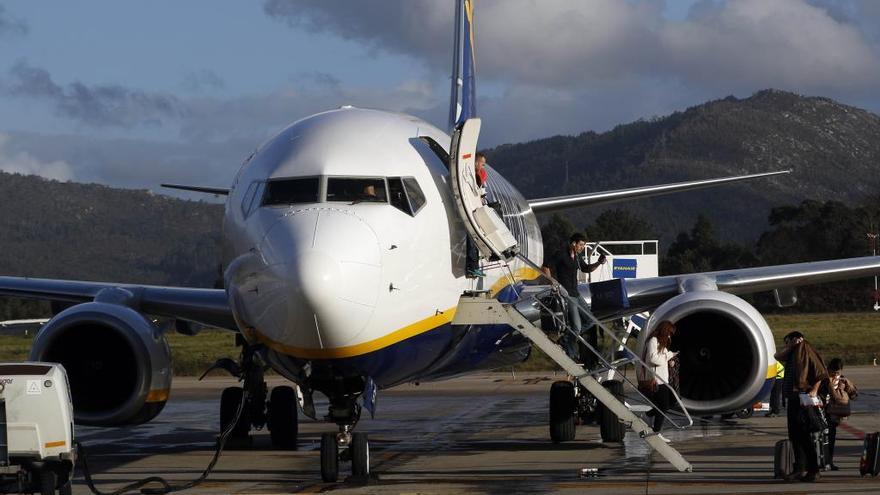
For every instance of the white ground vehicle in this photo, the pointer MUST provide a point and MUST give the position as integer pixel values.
(36, 429)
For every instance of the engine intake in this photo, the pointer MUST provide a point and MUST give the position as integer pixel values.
(117, 362)
(725, 350)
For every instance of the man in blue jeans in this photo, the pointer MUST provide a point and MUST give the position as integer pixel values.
(564, 265)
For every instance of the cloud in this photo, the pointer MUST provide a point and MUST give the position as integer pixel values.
(107, 105)
(128, 163)
(727, 46)
(22, 162)
(11, 26)
(203, 80)
(256, 117)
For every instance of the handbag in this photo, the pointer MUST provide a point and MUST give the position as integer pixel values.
(838, 409)
(648, 386)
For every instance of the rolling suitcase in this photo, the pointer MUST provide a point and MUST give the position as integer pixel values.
(783, 459)
(819, 441)
(869, 463)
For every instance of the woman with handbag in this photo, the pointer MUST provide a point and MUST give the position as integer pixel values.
(657, 356)
(840, 391)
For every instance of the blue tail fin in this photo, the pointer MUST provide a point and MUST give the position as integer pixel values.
(462, 104)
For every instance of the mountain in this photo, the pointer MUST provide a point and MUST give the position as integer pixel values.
(94, 232)
(832, 149)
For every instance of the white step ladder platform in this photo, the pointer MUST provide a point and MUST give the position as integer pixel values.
(478, 309)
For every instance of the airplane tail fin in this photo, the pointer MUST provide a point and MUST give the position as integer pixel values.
(462, 101)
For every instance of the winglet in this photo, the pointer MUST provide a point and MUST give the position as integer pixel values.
(222, 191)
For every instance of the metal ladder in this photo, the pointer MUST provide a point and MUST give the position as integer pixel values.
(632, 327)
(479, 308)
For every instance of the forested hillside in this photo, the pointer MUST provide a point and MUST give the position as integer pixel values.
(832, 149)
(94, 232)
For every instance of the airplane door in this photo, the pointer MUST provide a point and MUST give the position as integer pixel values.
(481, 221)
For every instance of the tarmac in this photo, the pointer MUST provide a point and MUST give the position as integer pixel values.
(484, 433)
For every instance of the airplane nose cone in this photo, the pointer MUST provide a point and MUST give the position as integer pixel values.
(320, 277)
(330, 263)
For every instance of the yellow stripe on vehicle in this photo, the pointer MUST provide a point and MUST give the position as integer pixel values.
(59, 443)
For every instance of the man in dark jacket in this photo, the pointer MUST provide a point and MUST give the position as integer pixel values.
(805, 372)
(564, 265)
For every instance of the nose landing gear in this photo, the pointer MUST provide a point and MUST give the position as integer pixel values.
(345, 446)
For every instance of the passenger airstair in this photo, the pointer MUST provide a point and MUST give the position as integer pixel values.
(494, 241)
(479, 308)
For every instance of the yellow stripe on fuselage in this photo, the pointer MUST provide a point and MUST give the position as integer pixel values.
(394, 337)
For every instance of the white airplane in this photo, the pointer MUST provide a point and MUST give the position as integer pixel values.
(345, 244)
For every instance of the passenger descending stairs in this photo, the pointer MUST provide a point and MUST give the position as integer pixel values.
(479, 308)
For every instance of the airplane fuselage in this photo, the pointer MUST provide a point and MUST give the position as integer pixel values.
(321, 271)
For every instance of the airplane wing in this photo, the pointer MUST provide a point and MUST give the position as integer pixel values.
(207, 306)
(544, 205)
(220, 191)
(648, 293)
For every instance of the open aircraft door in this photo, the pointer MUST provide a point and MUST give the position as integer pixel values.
(481, 221)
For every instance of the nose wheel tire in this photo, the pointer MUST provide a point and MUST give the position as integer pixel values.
(239, 437)
(329, 458)
(563, 408)
(360, 455)
(283, 420)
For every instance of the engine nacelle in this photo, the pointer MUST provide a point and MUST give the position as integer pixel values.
(118, 363)
(726, 349)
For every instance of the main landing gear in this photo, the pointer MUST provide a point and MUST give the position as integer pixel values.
(278, 411)
(571, 404)
(345, 446)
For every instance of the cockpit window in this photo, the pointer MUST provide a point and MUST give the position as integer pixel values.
(371, 190)
(250, 197)
(414, 193)
(291, 191)
(406, 195)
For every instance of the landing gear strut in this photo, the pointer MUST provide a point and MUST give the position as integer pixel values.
(279, 412)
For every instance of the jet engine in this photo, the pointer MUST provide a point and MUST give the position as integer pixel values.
(118, 363)
(725, 350)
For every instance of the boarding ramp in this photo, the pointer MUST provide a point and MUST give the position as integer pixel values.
(480, 308)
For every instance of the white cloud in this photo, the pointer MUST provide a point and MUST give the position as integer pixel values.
(733, 45)
(22, 162)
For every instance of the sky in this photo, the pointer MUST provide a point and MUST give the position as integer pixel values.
(132, 94)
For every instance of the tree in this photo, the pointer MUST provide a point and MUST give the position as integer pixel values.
(701, 251)
(619, 225)
(555, 233)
